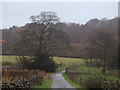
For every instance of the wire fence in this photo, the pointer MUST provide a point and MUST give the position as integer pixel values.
(74, 74)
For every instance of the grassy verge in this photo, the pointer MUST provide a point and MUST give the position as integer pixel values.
(72, 83)
(46, 84)
(60, 69)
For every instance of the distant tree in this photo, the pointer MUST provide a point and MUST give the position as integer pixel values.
(102, 46)
(103, 42)
(100, 42)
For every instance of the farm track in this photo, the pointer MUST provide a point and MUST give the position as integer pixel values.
(60, 82)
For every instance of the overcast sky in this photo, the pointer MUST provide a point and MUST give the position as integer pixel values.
(80, 12)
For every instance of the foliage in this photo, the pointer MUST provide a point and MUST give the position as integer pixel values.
(93, 82)
(45, 63)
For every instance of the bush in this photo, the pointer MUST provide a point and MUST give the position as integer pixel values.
(40, 62)
(93, 82)
(48, 64)
(21, 79)
(23, 83)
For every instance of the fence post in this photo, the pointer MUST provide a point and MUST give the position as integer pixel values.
(66, 71)
(110, 84)
(117, 84)
(104, 83)
(80, 81)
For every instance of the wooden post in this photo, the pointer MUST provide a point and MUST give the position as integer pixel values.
(66, 70)
(76, 69)
(80, 81)
(116, 84)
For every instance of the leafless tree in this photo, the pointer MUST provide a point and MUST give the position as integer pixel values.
(38, 44)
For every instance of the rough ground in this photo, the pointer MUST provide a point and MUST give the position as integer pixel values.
(60, 82)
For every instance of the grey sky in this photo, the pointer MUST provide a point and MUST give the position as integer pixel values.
(79, 12)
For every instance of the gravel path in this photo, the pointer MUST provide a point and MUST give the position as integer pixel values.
(60, 82)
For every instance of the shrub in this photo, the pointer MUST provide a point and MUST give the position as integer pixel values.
(44, 62)
(21, 79)
(93, 82)
(49, 65)
(39, 62)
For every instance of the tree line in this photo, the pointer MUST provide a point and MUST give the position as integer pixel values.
(97, 39)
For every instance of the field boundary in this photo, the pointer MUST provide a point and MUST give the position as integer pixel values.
(73, 76)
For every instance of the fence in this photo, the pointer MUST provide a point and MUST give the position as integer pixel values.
(105, 84)
(110, 84)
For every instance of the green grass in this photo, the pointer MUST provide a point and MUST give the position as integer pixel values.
(110, 77)
(68, 61)
(72, 83)
(7, 58)
(60, 69)
(46, 84)
(85, 77)
(90, 71)
(65, 62)
(84, 69)
(58, 60)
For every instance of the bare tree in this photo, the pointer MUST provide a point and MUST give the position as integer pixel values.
(99, 46)
(38, 44)
(47, 19)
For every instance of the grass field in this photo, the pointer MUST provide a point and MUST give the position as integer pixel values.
(63, 61)
(68, 61)
(11, 58)
(7, 58)
(85, 69)
(46, 84)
